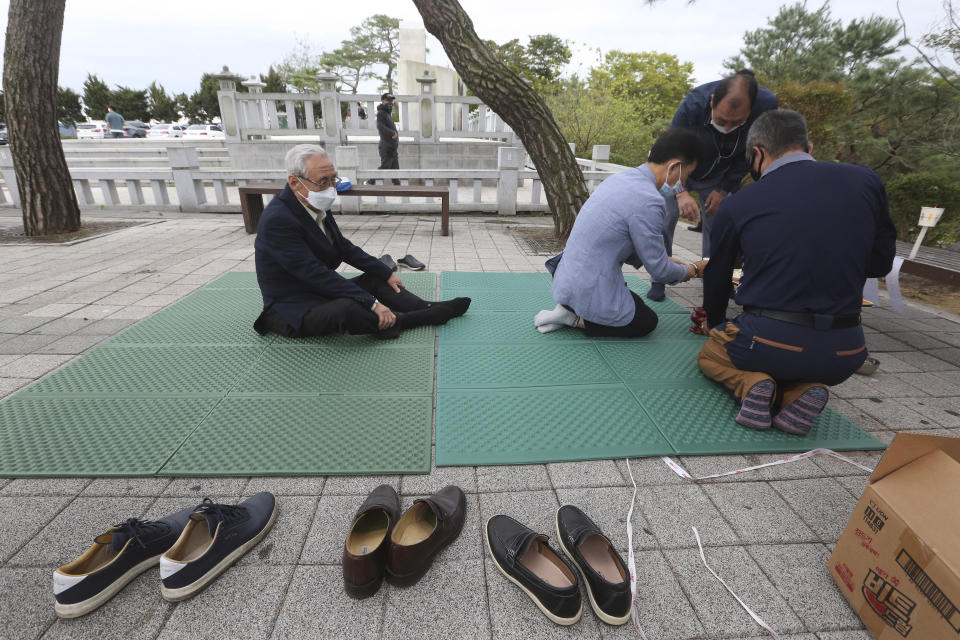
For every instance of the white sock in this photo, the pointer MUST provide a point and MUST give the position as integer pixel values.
(547, 328)
(559, 315)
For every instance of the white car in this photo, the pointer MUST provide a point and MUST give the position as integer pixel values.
(93, 130)
(166, 131)
(204, 132)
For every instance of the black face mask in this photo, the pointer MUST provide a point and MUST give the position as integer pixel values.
(756, 174)
(388, 107)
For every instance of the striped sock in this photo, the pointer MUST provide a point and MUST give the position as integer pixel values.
(755, 408)
(798, 417)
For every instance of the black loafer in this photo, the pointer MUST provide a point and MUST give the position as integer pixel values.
(603, 570)
(388, 260)
(116, 557)
(527, 561)
(412, 263)
(216, 536)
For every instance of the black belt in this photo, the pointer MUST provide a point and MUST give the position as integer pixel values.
(805, 319)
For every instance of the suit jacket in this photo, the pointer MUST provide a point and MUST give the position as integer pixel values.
(810, 233)
(296, 263)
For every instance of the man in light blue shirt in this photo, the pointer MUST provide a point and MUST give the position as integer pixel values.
(622, 223)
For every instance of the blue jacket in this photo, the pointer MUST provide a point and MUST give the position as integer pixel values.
(620, 223)
(810, 233)
(726, 157)
(296, 263)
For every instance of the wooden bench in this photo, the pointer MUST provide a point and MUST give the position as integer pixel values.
(251, 198)
(939, 265)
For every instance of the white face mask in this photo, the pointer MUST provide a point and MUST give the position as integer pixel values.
(672, 189)
(321, 200)
(721, 129)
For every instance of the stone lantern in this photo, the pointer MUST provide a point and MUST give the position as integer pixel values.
(427, 131)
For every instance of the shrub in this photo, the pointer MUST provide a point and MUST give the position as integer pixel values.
(909, 192)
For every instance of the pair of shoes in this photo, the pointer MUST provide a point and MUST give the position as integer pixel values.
(696, 229)
(412, 263)
(192, 547)
(528, 561)
(388, 260)
(382, 543)
(797, 418)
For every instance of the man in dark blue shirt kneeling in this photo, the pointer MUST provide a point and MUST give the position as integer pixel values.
(810, 233)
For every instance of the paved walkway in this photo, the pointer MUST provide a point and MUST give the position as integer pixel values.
(768, 533)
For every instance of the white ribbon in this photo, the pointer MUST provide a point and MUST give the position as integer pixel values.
(630, 557)
(743, 604)
(893, 285)
(680, 471)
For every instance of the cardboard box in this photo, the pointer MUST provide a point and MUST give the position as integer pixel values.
(898, 560)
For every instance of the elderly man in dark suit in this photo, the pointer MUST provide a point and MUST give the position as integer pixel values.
(298, 249)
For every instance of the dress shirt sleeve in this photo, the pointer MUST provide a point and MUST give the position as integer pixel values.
(284, 242)
(718, 276)
(647, 237)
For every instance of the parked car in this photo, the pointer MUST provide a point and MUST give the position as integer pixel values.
(166, 131)
(93, 130)
(204, 132)
(4, 134)
(135, 129)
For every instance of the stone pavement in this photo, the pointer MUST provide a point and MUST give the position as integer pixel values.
(768, 533)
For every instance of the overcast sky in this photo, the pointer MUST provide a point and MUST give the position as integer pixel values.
(175, 41)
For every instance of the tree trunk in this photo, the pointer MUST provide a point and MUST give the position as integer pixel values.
(31, 63)
(516, 102)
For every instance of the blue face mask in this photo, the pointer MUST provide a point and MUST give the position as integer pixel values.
(671, 191)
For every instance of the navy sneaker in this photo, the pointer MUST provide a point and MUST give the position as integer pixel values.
(215, 537)
(115, 558)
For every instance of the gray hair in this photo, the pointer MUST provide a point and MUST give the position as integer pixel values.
(779, 131)
(297, 156)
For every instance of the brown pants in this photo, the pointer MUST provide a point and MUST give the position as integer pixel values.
(715, 363)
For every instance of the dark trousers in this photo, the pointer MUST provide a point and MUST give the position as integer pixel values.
(389, 156)
(752, 349)
(346, 315)
(644, 321)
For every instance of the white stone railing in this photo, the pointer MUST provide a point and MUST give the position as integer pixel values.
(425, 117)
(186, 186)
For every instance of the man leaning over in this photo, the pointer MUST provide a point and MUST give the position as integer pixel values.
(810, 234)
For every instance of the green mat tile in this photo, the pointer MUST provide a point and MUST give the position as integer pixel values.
(471, 366)
(653, 359)
(163, 370)
(309, 436)
(215, 302)
(172, 327)
(670, 326)
(530, 301)
(640, 286)
(502, 327)
(493, 280)
(700, 421)
(71, 437)
(417, 336)
(316, 370)
(543, 425)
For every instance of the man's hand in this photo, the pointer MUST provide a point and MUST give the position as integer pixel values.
(695, 269)
(385, 317)
(395, 283)
(688, 206)
(713, 201)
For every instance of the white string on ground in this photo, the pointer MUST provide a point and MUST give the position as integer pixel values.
(893, 285)
(630, 557)
(743, 604)
(680, 471)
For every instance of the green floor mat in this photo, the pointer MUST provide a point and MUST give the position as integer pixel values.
(74, 437)
(196, 374)
(309, 436)
(543, 425)
(507, 394)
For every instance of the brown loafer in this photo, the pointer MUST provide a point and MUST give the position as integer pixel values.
(365, 550)
(426, 528)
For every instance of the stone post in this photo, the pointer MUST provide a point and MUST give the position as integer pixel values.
(9, 175)
(254, 113)
(428, 124)
(330, 105)
(183, 162)
(508, 163)
(601, 153)
(347, 162)
(227, 96)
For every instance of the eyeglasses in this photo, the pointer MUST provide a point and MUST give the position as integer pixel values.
(325, 183)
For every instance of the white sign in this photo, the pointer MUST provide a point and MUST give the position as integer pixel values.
(930, 216)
